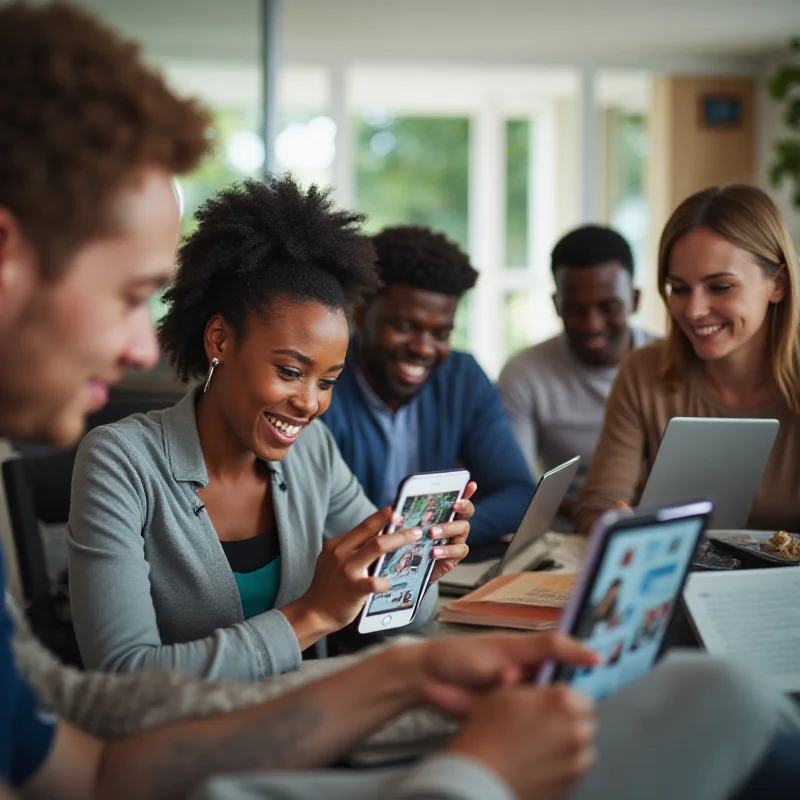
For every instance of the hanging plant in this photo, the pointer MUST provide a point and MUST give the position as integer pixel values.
(784, 86)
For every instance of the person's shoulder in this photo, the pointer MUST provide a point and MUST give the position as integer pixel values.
(544, 357)
(137, 438)
(642, 337)
(460, 378)
(135, 429)
(459, 362)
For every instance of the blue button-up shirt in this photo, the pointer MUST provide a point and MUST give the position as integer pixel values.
(401, 429)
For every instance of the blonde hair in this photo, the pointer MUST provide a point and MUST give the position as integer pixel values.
(746, 217)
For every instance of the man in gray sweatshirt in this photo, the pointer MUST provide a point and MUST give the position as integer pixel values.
(555, 392)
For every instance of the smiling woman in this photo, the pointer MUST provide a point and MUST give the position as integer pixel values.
(728, 276)
(225, 535)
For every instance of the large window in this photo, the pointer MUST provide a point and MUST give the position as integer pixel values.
(238, 153)
(627, 159)
(518, 178)
(414, 171)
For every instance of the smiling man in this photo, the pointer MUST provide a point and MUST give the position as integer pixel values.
(406, 403)
(555, 392)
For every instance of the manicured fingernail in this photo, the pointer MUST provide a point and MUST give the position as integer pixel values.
(439, 552)
(461, 505)
(416, 533)
(436, 531)
(397, 519)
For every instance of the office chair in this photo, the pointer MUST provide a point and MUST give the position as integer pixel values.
(38, 491)
(38, 486)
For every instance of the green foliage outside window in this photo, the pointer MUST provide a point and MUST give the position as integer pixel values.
(518, 147)
(415, 171)
(784, 87)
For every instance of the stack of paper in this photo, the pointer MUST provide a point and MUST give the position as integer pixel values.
(751, 617)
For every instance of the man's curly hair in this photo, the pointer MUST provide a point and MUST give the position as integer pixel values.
(423, 259)
(79, 114)
(257, 243)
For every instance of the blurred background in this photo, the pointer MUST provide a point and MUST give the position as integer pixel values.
(501, 123)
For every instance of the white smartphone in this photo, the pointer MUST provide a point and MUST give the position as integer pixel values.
(423, 500)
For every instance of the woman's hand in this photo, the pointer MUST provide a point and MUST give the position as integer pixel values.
(342, 581)
(456, 532)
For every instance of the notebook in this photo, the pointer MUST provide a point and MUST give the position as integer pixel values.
(751, 617)
(527, 600)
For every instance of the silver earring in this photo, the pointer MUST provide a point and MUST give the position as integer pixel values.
(211, 367)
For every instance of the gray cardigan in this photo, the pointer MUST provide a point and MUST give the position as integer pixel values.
(149, 583)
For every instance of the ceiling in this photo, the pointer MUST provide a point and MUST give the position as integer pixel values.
(680, 35)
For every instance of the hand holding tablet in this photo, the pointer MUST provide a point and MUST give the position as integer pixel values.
(633, 575)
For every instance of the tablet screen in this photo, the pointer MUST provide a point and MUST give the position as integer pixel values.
(626, 614)
(407, 567)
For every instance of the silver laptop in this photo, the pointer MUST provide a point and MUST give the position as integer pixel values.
(544, 505)
(721, 460)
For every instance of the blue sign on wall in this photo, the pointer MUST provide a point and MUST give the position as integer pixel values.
(721, 111)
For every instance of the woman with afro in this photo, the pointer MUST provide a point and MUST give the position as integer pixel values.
(225, 535)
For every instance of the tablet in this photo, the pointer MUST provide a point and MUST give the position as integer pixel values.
(717, 458)
(633, 575)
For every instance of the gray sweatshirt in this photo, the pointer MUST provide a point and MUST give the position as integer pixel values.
(150, 585)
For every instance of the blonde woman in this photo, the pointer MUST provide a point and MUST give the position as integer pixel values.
(727, 272)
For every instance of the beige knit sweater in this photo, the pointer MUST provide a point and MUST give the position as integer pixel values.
(111, 706)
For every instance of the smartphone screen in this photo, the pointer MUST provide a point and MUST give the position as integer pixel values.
(408, 566)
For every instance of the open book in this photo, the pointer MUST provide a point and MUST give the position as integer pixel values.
(528, 600)
(750, 616)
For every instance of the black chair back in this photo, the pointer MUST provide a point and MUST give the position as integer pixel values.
(37, 491)
(38, 485)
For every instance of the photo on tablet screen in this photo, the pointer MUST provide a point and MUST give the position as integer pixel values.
(630, 606)
(407, 567)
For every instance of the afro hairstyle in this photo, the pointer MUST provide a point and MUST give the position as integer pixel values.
(423, 259)
(257, 243)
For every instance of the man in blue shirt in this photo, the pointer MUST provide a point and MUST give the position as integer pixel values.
(25, 742)
(406, 403)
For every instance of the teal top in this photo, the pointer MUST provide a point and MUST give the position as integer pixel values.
(256, 567)
(258, 590)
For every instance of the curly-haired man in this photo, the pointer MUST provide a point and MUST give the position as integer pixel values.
(406, 403)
